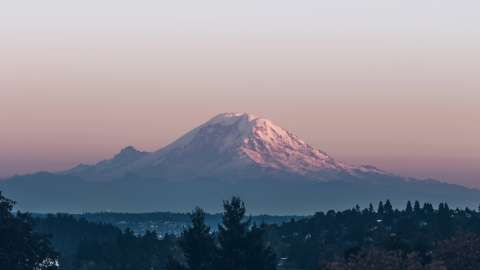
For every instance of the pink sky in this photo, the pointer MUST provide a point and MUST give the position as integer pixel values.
(389, 83)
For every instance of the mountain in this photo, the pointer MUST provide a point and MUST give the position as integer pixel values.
(231, 146)
(231, 154)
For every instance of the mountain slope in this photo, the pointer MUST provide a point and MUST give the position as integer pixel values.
(231, 154)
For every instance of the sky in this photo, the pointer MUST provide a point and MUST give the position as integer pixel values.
(391, 83)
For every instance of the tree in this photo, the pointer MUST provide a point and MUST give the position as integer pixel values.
(241, 247)
(370, 209)
(259, 256)
(388, 212)
(428, 208)
(409, 209)
(444, 219)
(20, 247)
(232, 236)
(388, 208)
(416, 208)
(197, 244)
(380, 209)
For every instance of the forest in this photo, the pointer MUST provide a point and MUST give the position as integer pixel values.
(417, 237)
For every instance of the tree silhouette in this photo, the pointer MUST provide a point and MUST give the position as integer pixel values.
(409, 209)
(380, 208)
(241, 247)
(416, 208)
(197, 244)
(20, 247)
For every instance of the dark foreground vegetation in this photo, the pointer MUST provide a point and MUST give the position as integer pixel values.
(419, 237)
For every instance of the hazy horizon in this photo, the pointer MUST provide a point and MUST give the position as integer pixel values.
(376, 82)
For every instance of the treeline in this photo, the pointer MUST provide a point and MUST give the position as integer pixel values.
(86, 245)
(419, 237)
(237, 243)
(68, 242)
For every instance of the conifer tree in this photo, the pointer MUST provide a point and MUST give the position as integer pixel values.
(380, 209)
(20, 247)
(388, 208)
(370, 208)
(241, 247)
(197, 244)
(416, 208)
(409, 209)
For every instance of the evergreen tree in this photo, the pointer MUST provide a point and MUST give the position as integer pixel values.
(388, 208)
(444, 219)
(380, 209)
(20, 247)
(409, 209)
(428, 208)
(416, 208)
(388, 212)
(198, 243)
(241, 247)
(232, 236)
(259, 256)
(371, 210)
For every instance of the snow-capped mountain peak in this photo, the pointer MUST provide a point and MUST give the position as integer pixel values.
(242, 138)
(227, 143)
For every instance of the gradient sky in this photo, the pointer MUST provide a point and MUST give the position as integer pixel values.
(395, 84)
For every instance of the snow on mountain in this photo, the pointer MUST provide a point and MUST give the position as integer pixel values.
(229, 142)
